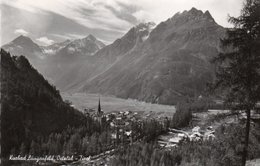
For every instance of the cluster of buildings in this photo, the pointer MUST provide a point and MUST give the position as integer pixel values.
(120, 122)
(174, 136)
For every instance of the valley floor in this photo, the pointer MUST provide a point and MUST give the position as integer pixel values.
(203, 125)
(110, 104)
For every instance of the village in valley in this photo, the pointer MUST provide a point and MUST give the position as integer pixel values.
(101, 84)
(200, 129)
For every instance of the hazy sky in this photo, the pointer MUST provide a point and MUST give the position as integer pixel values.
(49, 21)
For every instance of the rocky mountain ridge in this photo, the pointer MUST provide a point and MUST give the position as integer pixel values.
(171, 63)
(158, 64)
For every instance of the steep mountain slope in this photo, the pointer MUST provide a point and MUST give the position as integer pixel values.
(75, 53)
(154, 64)
(87, 46)
(91, 67)
(55, 60)
(171, 63)
(31, 107)
(23, 45)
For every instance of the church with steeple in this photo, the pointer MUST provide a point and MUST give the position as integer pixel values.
(100, 113)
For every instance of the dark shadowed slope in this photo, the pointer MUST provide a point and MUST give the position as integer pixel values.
(31, 107)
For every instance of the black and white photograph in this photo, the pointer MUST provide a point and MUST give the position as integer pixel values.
(130, 82)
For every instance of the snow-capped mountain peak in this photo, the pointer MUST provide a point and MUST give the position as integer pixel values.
(54, 48)
(143, 30)
(85, 46)
(23, 45)
(91, 37)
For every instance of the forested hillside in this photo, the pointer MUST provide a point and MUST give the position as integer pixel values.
(36, 121)
(32, 109)
(224, 150)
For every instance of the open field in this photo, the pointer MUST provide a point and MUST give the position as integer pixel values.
(114, 104)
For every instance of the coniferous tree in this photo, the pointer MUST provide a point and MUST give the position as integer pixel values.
(23, 150)
(34, 148)
(238, 66)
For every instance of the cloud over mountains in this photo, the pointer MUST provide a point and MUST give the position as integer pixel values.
(21, 32)
(108, 20)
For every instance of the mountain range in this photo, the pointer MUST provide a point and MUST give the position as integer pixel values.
(153, 63)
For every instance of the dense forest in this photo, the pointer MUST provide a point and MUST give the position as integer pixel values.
(34, 118)
(226, 149)
(36, 121)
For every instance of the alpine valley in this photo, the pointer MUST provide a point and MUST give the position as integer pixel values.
(153, 63)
